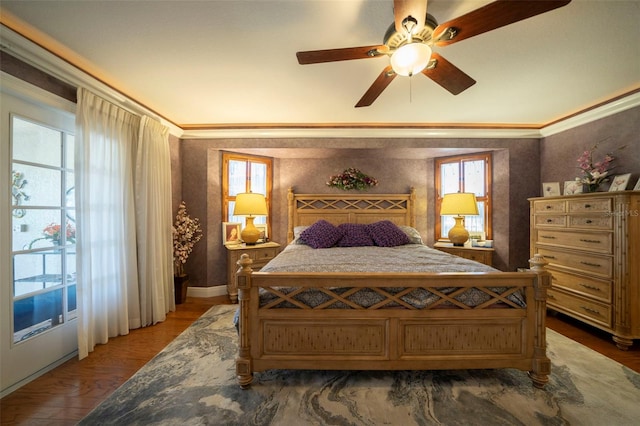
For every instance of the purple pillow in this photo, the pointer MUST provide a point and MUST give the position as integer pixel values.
(321, 234)
(387, 234)
(354, 235)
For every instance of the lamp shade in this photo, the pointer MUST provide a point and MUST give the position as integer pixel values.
(459, 203)
(410, 58)
(250, 204)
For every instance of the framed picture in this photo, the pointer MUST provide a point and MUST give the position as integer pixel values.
(637, 187)
(572, 187)
(262, 227)
(230, 233)
(620, 182)
(550, 189)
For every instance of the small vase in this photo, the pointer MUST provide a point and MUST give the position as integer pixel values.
(590, 187)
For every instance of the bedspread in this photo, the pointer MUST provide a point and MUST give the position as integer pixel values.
(405, 258)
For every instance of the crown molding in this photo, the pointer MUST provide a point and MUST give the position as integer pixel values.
(31, 53)
(19, 46)
(360, 131)
(613, 107)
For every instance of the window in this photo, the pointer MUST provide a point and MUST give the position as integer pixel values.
(468, 173)
(44, 231)
(245, 173)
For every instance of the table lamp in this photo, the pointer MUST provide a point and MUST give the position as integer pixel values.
(250, 204)
(459, 204)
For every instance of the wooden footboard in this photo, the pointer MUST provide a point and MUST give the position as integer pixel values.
(446, 334)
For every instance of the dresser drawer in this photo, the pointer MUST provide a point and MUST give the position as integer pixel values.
(591, 310)
(549, 206)
(591, 205)
(601, 242)
(595, 221)
(591, 287)
(558, 221)
(598, 265)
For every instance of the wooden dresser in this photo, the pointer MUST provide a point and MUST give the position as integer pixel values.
(261, 254)
(592, 244)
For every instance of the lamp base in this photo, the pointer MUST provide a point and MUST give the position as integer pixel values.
(458, 235)
(250, 234)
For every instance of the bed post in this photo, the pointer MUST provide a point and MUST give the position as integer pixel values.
(541, 367)
(290, 212)
(244, 365)
(412, 207)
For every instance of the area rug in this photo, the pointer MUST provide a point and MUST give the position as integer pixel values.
(192, 382)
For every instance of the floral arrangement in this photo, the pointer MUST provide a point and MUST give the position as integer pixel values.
(352, 179)
(52, 232)
(593, 174)
(186, 233)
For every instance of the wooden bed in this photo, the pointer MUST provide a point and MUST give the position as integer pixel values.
(401, 338)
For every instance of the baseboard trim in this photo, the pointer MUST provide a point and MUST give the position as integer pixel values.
(218, 290)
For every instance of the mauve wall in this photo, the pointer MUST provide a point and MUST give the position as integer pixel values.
(560, 151)
(514, 180)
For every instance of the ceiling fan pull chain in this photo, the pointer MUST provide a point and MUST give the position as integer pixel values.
(410, 89)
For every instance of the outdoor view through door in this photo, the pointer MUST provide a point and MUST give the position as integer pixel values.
(43, 228)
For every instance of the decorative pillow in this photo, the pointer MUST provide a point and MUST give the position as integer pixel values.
(321, 234)
(387, 234)
(413, 234)
(354, 235)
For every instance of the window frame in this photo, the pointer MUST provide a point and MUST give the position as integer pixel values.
(461, 159)
(248, 159)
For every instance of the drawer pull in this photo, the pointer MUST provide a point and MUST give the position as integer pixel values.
(548, 237)
(588, 221)
(584, 240)
(590, 310)
(591, 264)
(550, 296)
(587, 206)
(590, 287)
(548, 207)
(549, 220)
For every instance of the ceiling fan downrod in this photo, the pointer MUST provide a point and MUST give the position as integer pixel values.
(409, 24)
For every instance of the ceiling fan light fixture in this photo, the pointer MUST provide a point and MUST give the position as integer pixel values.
(410, 58)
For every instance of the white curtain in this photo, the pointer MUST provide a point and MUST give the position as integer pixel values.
(114, 193)
(153, 221)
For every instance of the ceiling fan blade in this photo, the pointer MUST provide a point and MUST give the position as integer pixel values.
(494, 15)
(386, 76)
(415, 8)
(344, 54)
(448, 75)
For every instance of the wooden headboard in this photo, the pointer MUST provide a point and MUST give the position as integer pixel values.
(306, 209)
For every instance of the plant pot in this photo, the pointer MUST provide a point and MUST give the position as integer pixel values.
(180, 284)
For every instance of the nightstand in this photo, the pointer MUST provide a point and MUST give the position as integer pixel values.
(259, 253)
(479, 254)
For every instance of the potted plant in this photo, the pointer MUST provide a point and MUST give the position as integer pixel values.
(186, 233)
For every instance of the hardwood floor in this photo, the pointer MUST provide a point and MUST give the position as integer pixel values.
(65, 395)
(68, 393)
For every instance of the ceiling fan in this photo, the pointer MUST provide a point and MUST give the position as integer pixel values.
(408, 42)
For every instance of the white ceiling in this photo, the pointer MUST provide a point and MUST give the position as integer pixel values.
(217, 63)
